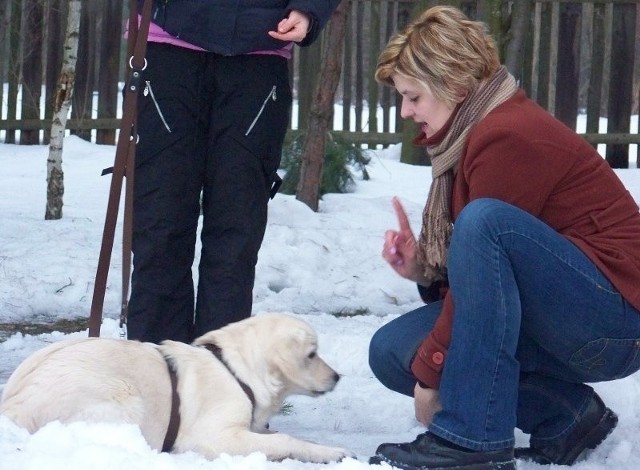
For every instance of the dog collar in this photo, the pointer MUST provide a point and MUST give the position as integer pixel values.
(217, 352)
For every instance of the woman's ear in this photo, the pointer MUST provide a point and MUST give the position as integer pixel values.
(461, 97)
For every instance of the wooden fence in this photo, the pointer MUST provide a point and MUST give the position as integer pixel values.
(573, 57)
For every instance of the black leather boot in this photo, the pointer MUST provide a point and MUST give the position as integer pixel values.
(593, 428)
(431, 452)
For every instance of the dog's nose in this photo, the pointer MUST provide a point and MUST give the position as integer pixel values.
(336, 377)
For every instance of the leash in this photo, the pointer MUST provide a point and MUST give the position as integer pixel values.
(123, 165)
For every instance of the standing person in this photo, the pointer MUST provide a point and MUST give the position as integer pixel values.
(212, 117)
(538, 242)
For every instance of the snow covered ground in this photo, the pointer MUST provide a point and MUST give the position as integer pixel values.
(324, 267)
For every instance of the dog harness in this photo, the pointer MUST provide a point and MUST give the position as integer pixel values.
(174, 418)
(217, 352)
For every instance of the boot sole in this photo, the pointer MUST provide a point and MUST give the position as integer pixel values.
(509, 465)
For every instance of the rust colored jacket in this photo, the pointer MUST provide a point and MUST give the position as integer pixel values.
(522, 155)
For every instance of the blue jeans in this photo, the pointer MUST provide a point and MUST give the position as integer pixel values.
(534, 320)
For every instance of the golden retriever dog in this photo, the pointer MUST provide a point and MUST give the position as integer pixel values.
(211, 397)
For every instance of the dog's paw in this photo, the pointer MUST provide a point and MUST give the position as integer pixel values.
(336, 454)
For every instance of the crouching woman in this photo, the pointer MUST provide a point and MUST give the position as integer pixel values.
(528, 258)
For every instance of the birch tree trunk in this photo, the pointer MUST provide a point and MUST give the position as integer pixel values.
(62, 103)
(308, 190)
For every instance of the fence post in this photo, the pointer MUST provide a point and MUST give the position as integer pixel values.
(621, 80)
(14, 66)
(32, 68)
(568, 64)
(594, 97)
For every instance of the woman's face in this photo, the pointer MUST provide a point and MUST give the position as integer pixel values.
(419, 104)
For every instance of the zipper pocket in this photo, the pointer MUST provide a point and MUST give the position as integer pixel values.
(149, 91)
(271, 95)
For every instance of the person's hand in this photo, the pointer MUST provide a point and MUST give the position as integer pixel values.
(427, 403)
(400, 247)
(292, 28)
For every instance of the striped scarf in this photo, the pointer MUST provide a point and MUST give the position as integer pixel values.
(437, 224)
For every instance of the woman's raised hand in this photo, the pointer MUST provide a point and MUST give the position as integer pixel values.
(400, 246)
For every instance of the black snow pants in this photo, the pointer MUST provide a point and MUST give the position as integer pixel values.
(211, 130)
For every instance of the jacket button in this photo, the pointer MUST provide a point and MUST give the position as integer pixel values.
(437, 358)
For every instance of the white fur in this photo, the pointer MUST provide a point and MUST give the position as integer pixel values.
(110, 380)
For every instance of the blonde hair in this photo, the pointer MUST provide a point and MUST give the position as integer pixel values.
(443, 50)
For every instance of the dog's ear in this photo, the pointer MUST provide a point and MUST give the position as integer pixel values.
(292, 350)
(302, 339)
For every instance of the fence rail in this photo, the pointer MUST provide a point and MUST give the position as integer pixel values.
(356, 137)
(576, 57)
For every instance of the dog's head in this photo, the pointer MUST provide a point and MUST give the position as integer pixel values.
(295, 359)
(277, 352)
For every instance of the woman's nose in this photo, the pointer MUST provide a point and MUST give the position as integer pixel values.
(405, 110)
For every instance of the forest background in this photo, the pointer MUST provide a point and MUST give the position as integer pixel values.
(572, 57)
(550, 45)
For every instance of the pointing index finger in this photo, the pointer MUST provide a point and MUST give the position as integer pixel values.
(403, 220)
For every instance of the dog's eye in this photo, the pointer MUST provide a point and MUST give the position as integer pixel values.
(311, 355)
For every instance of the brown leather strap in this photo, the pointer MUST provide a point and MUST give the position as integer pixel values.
(123, 165)
(217, 352)
(174, 418)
